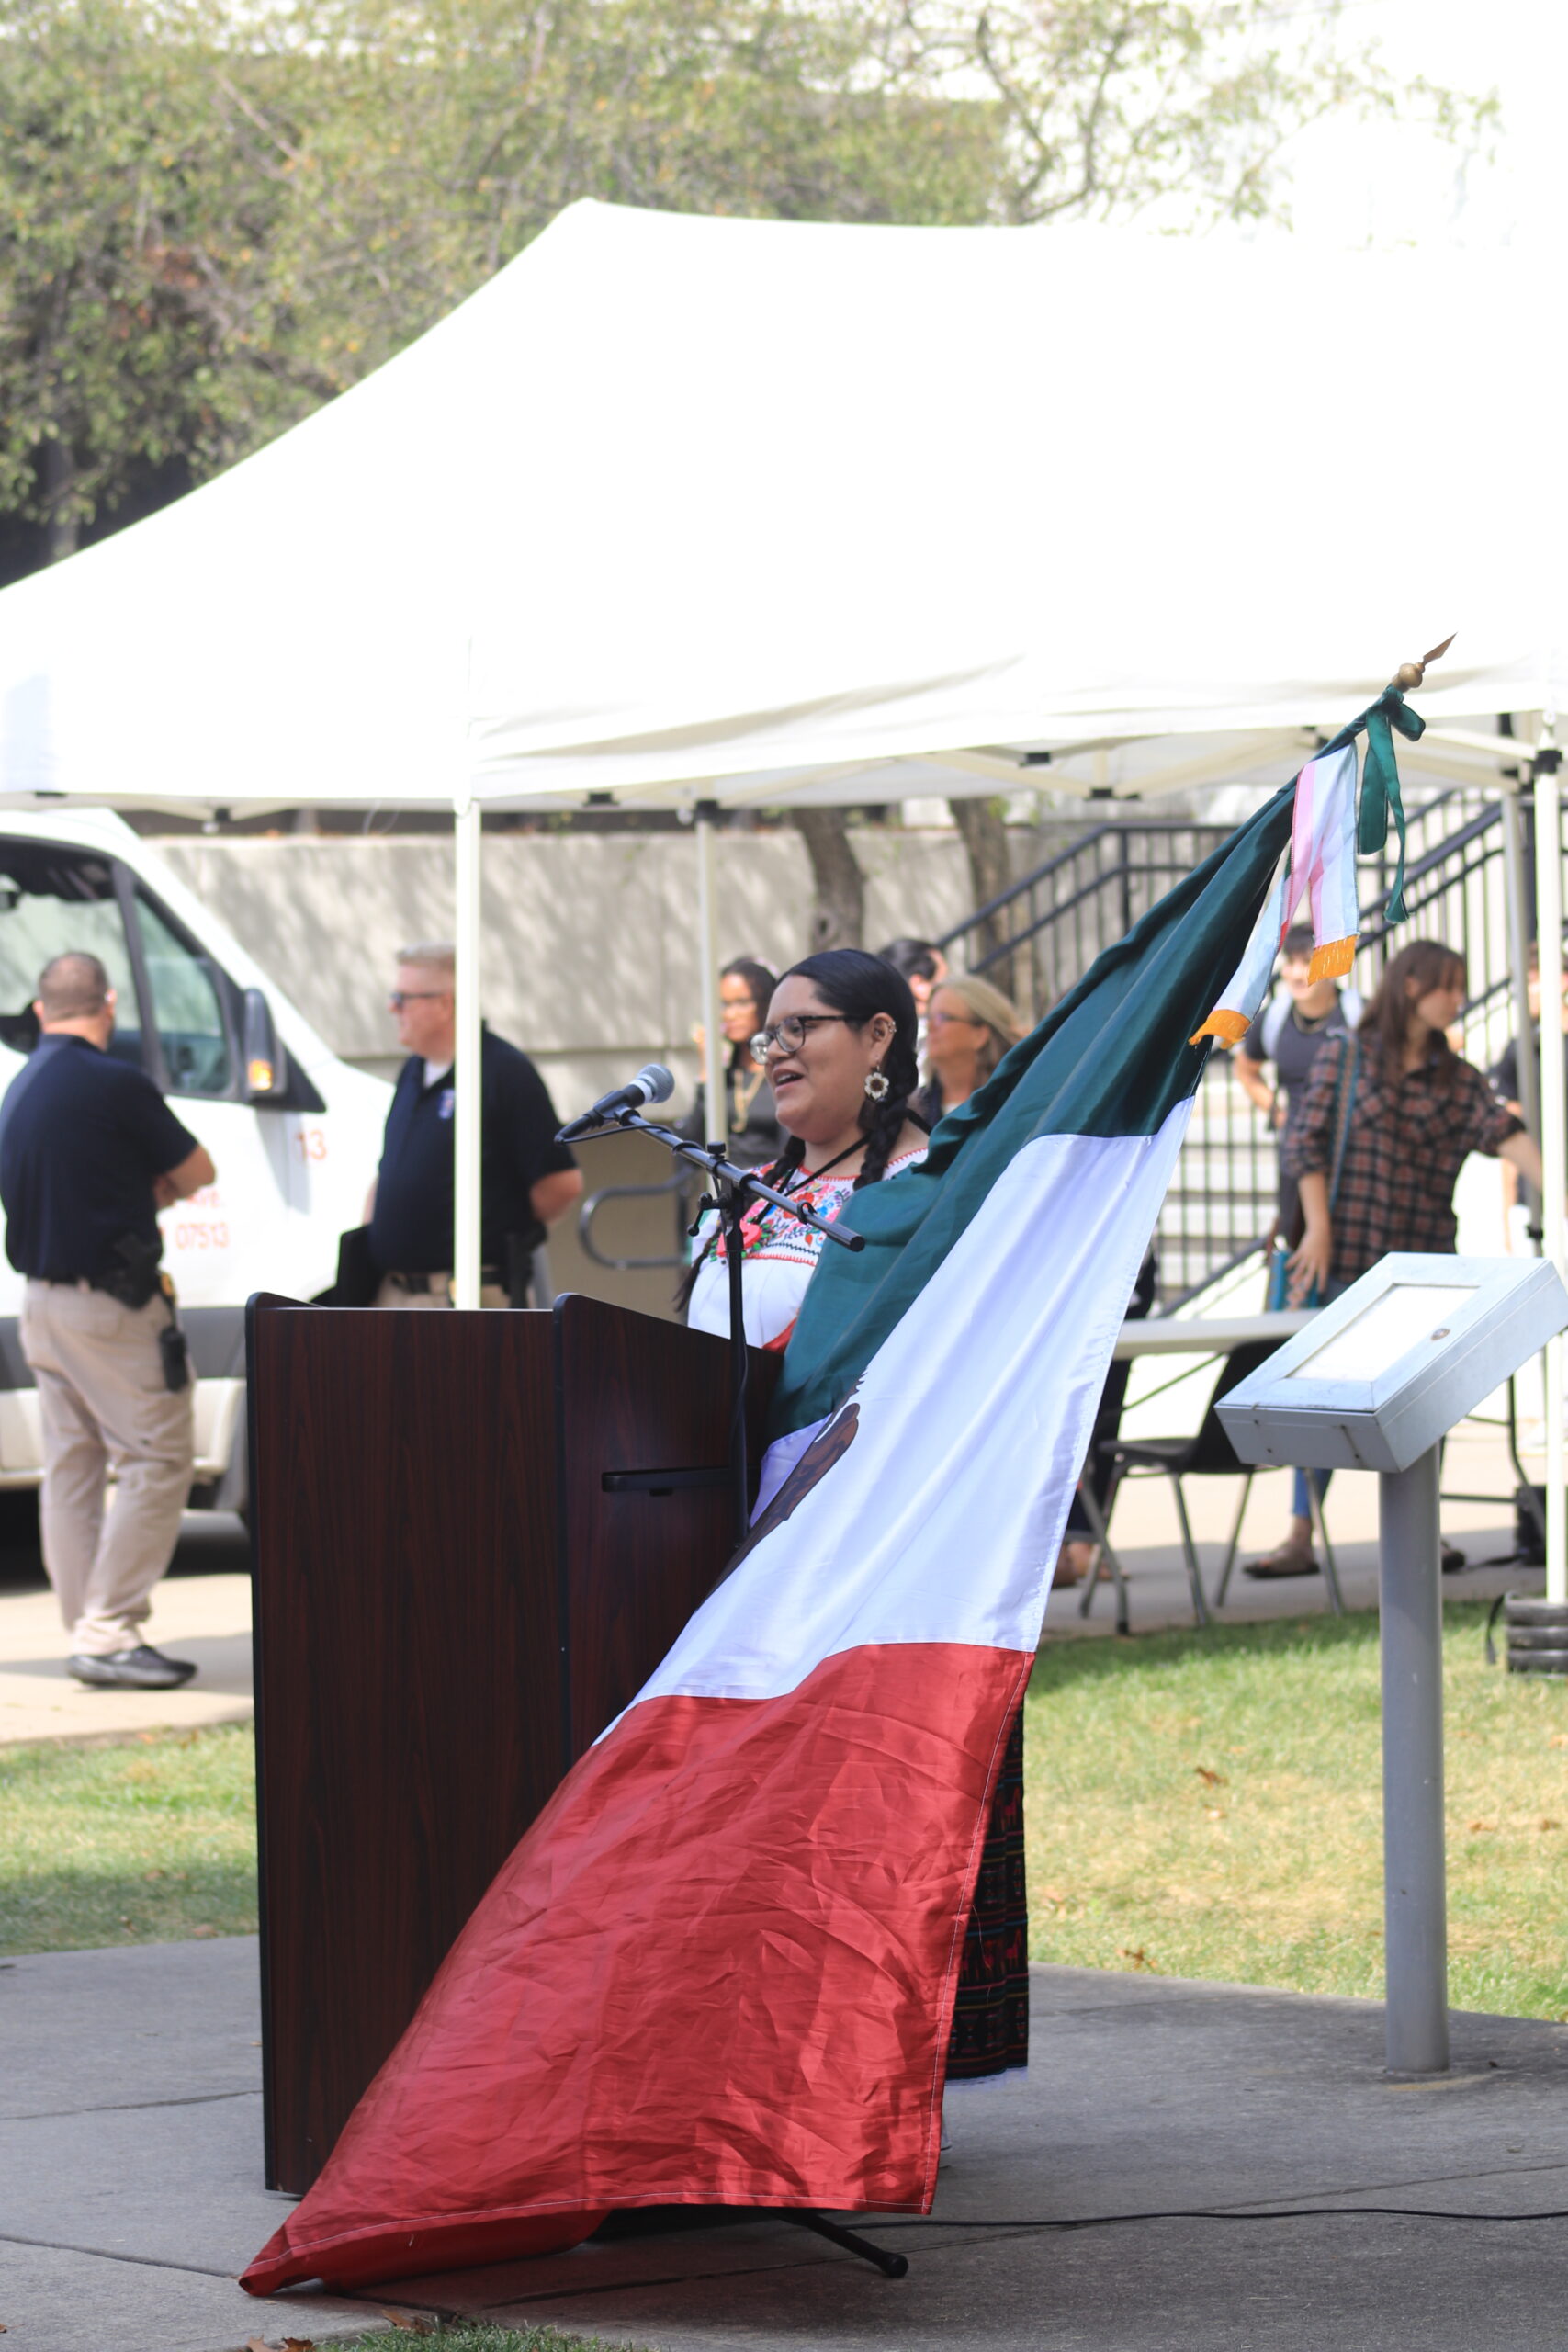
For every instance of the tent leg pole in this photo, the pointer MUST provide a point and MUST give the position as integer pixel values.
(467, 1140)
(1519, 948)
(1554, 1123)
(717, 1089)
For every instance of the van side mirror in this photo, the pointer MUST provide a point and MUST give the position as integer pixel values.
(266, 1073)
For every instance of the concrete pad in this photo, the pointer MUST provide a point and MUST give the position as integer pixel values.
(169, 2021)
(131, 2188)
(1297, 2285)
(68, 2302)
(130, 2155)
(1145, 2099)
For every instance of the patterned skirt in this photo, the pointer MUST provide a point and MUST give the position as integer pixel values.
(990, 2018)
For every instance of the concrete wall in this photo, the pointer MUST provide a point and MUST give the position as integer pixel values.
(590, 955)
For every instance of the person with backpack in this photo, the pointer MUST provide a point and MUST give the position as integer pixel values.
(1387, 1119)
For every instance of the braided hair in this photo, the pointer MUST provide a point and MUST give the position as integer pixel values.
(860, 986)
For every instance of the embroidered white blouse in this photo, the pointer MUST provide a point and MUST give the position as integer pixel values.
(778, 1259)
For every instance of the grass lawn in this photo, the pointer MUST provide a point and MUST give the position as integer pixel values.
(1199, 1804)
(1210, 1805)
(143, 1842)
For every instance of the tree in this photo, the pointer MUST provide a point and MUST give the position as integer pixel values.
(837, 886)
(133, 335)
(1112, 107)
(209, 224)
(982, 826)
(1099, 109)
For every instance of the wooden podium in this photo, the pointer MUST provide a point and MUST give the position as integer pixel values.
(474, 1536)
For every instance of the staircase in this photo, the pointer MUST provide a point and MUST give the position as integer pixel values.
(1040, 937)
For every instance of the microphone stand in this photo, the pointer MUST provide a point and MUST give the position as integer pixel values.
(732, 1189)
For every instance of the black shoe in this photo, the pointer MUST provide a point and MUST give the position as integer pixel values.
(142, 1668)
(1454, 1559)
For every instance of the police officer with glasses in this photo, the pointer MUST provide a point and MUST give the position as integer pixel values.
(89, 1153)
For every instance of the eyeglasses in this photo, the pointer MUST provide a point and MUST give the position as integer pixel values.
(398, 998)
(953, 1021)
(789, 1035)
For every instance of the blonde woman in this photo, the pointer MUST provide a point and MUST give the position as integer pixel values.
(969, 1027)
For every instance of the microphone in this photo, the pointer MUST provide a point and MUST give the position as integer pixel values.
(653, 1084)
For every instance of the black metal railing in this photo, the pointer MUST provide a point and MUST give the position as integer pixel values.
(676, 1188)
(1042, 935)
(1222, 1200)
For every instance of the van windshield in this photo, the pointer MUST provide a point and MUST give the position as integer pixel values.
(187, 1007)
(52, 900)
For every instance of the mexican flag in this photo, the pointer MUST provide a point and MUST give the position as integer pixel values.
(720, 1967)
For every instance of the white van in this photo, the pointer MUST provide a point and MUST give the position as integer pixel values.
(294, 1133)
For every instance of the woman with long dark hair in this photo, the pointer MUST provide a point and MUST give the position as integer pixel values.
(751, 1127)
(1399, 1111)
(838, 1046)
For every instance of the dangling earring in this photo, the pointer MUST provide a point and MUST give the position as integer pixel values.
(876, 1085)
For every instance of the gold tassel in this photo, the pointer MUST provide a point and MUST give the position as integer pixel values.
(1229, 1027)
(1332, 960)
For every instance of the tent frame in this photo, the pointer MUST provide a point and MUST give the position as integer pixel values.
(1544, 1094)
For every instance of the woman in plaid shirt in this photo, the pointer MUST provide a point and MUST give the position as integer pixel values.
(1418, 1110)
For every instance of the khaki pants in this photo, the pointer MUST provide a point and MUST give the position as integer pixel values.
(392, 1294)
(103, 1406)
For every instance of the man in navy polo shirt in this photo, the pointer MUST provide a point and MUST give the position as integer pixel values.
(89, 1152)
(528, 1178)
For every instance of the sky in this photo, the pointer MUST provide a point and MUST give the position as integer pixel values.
(1388, 184)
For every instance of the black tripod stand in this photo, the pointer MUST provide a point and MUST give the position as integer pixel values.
(730, 1189)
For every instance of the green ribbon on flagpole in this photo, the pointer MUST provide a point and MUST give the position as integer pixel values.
(1379, 780)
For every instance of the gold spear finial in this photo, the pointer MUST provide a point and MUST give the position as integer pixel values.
(1409, 674)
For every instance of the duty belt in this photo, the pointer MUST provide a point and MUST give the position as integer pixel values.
(425, 1285)
(130, 1289)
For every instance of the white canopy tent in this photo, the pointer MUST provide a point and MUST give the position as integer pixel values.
(678, 510)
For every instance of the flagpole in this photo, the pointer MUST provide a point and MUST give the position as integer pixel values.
(716, 1083)
(467, 1140)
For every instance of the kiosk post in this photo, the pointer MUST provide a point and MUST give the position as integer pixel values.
(1372, 1384)
(1414, 1887)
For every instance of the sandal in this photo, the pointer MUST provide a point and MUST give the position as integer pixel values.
(1289, 1560)
(1072, 1563)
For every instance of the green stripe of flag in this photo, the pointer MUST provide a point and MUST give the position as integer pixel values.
(1111, 1059)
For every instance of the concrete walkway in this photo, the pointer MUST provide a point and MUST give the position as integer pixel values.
(202, 1611)
(131, 2170)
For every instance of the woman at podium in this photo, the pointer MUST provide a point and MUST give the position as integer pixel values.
(839, 1048)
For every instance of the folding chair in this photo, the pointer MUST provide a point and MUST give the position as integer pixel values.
(1207, 1454)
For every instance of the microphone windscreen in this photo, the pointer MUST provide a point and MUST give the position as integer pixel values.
(660, 1082)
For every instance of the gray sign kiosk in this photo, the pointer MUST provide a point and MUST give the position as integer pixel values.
(1372, 1384)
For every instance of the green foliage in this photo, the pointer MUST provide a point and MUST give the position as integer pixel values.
(212, 218)
(134, 298)
(1113, 105)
